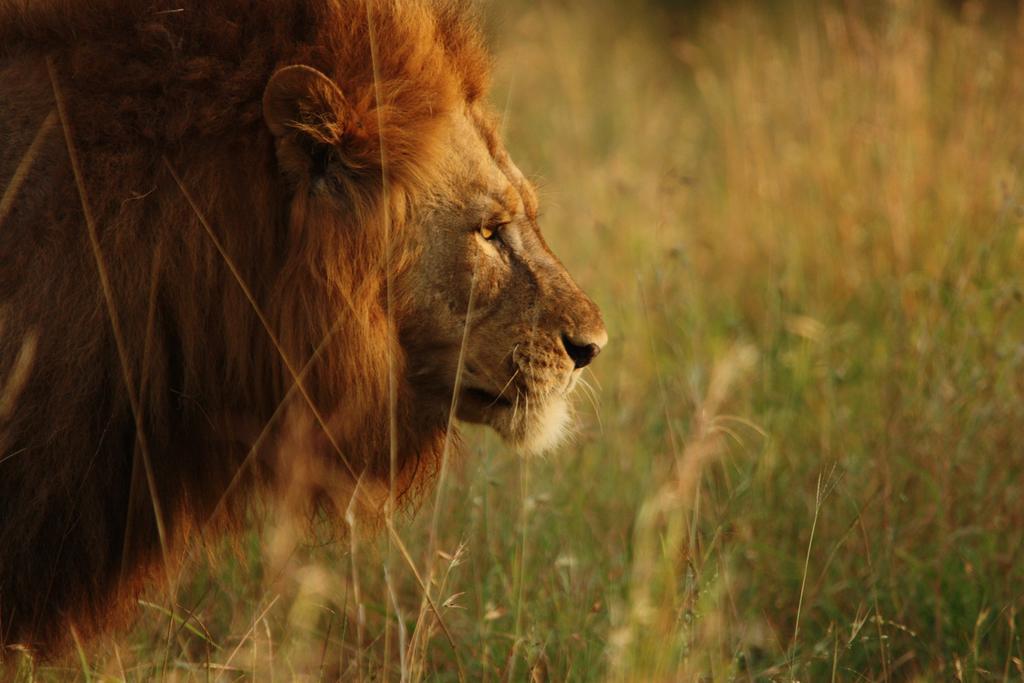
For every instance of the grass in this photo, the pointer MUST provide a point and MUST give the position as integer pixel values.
(805, 225)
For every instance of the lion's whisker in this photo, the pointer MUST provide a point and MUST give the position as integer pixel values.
(511, 353)
(590, 371)
(515, 406)
(510, 380)
(588, 391)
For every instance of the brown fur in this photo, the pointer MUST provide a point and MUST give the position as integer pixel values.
(135, 372)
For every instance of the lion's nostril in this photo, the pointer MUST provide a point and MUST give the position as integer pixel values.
(582, 353)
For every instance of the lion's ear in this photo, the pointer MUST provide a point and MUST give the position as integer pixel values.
(315, 125)
(301, 99)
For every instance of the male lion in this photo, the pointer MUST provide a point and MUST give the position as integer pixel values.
(244, 242)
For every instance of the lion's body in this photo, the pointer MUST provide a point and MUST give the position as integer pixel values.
(250, 246)
(135, 378)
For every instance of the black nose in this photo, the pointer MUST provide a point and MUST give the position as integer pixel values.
(581, 352)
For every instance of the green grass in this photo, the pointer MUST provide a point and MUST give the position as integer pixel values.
(805, 229)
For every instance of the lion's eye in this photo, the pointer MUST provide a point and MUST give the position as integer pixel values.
(490, 231)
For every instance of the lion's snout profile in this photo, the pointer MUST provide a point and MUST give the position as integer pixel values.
(244, 246)
(586, 335)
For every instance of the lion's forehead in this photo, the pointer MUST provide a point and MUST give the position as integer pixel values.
(515, 189)
(494, 176)
(481, 174)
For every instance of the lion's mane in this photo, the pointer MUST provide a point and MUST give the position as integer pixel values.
(165, 276)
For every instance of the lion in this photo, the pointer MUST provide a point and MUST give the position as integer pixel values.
(245, 243)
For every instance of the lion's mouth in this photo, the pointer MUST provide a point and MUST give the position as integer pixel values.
(481, 398)
(531, 425)
(482, 406)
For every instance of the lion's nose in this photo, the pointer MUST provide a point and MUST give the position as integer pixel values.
(583, 351)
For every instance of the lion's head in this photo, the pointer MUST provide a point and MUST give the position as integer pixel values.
(491, 323)
(486, 279)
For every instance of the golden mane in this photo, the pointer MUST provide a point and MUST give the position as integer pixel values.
(202, 293)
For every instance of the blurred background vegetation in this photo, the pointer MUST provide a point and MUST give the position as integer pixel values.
(805, 224)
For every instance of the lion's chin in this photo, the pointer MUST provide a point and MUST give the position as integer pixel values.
(532, 429)
(545, 429)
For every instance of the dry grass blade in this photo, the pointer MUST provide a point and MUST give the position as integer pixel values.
(426, 594)
(17, 377)
(389, 274)
(108, 296)
(389, 306)
(353, 539)
(274, 417)
(182, 622)
(248, 634)
(443, 475)
(450, 429)
(403, 636)
(289, 365)
(25, 165)
(807, 564)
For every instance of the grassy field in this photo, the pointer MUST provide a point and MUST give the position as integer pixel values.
(806, 229)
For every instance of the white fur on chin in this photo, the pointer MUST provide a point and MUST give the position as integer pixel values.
(549, 426)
